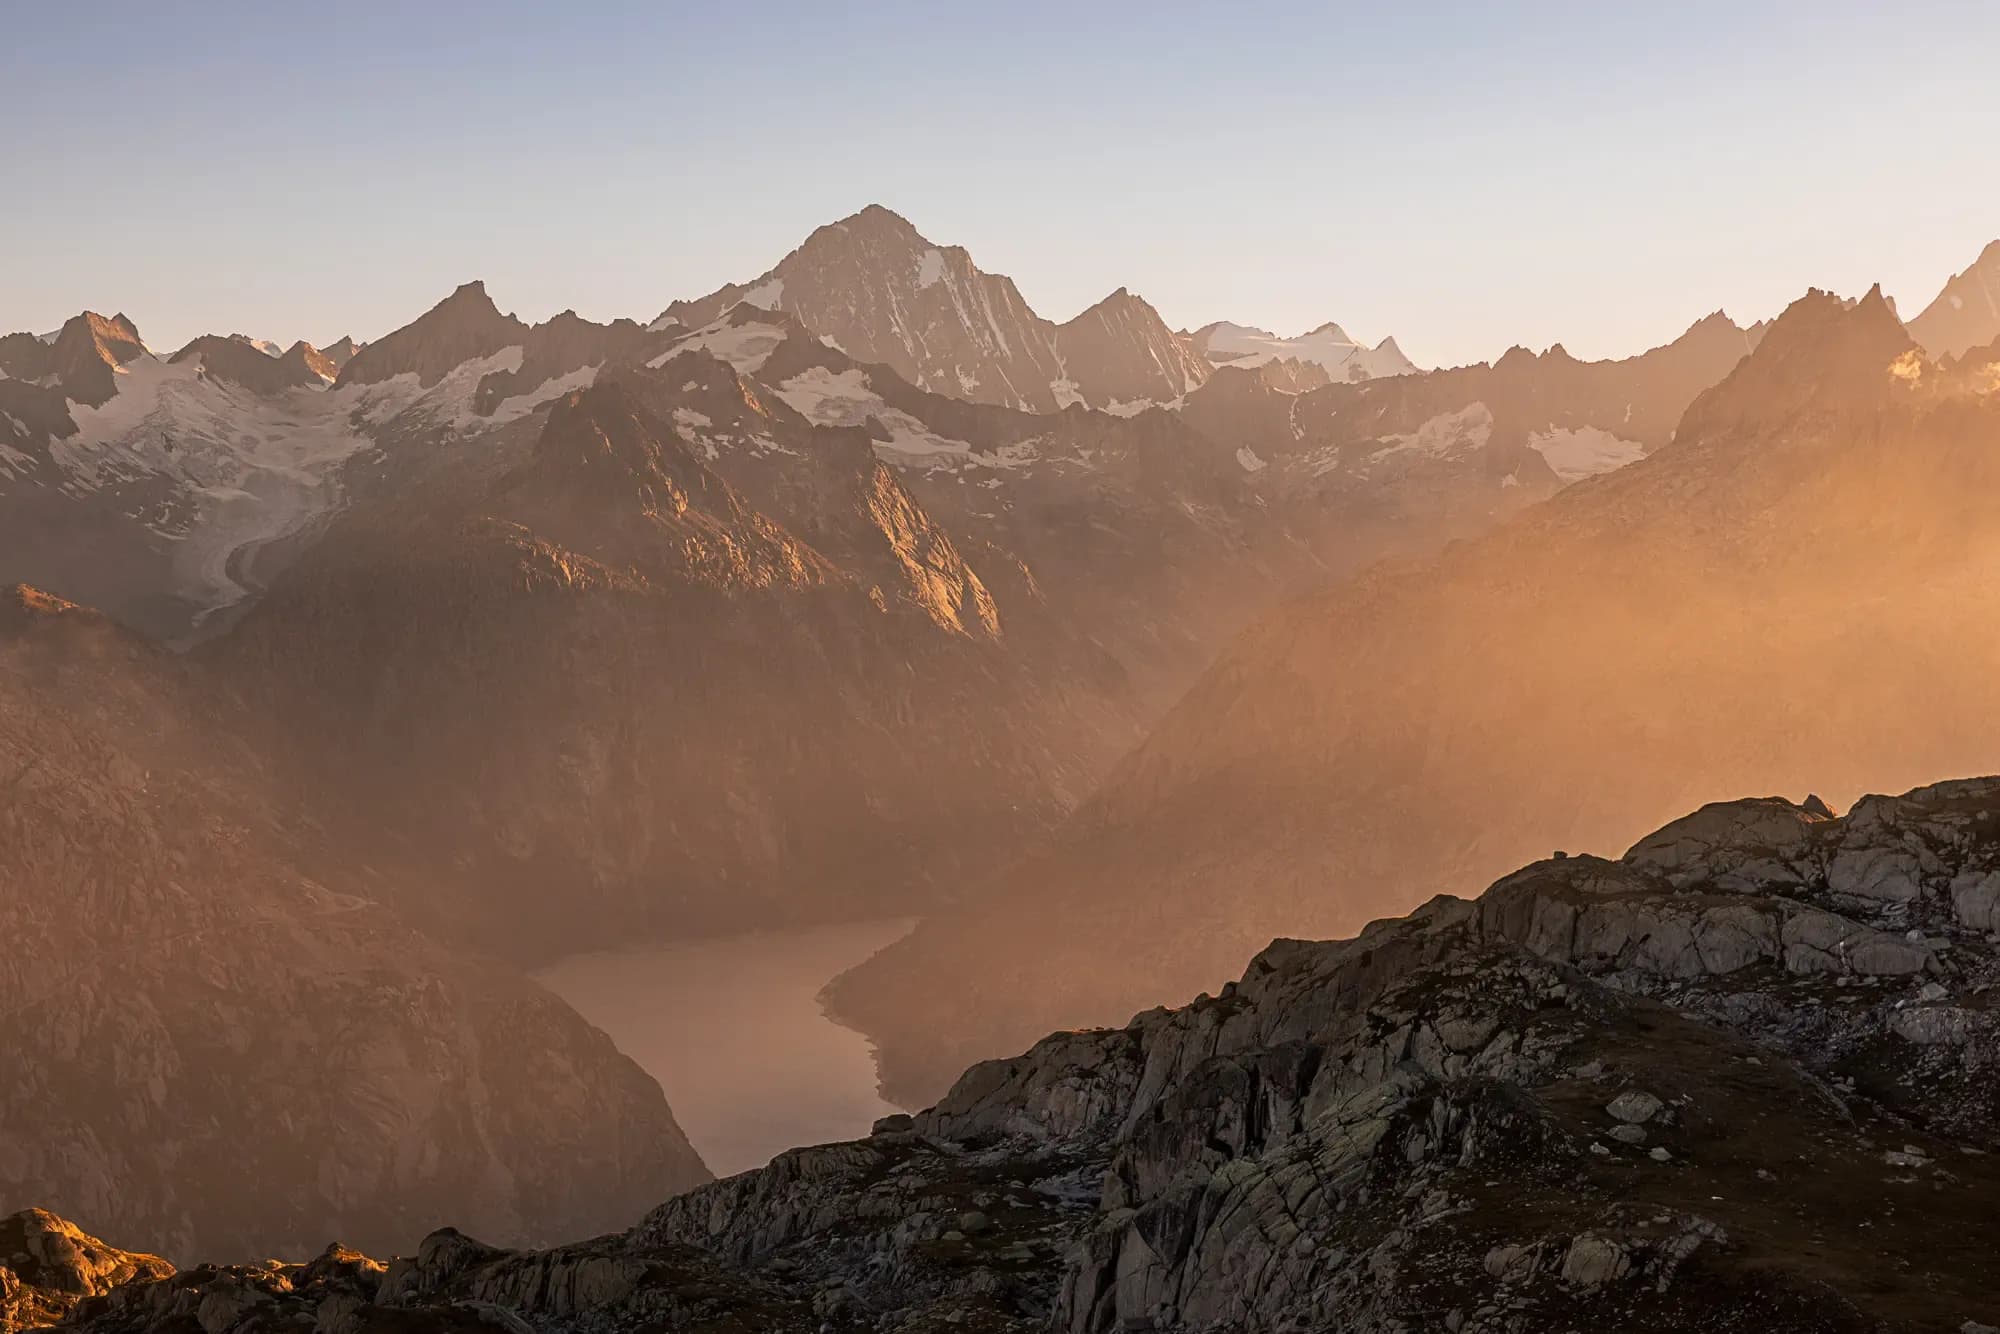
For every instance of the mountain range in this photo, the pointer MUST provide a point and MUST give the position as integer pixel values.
(346, 683)
(1693, 613)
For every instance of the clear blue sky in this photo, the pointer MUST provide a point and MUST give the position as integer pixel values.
(1465, 177)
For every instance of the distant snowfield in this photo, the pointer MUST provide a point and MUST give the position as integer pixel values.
(745, 346)
(251, 469)
(1327, 346)
(767, 295)
(1584, 452)
(846, 399)
(520, 405)
(247, 470)
(1470, 428)
(828, 399)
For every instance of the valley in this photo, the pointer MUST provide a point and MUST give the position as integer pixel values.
(733, 1031)
(881, 810)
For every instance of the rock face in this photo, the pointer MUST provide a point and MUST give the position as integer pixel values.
(881, 293)
(340, 351)
(82, 361)
(1966, 314)
(219, 1038)
(1120, 355)
(48, 1265)
(1753, 605)
(1705, 1086)
(465, 326)
(241, 362)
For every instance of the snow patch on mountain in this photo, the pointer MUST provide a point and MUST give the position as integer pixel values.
(227, 471)
(13, 463)
(1586, 451)
(1226, 344)
(253, 468)
(930, 267)
(745, 346)
(448, 402)
(691, 426)
(767, 295)
(1134, 407)
(827, 398)
(1448, 433)
(845, 398)
(520, 405)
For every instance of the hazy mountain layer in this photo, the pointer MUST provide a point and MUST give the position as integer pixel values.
(1793, 587)
(219, 1037)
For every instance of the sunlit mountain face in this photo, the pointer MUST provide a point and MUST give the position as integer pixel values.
(1433, 723)
(852, 802)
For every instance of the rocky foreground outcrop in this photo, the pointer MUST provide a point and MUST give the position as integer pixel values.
(1742, 1077)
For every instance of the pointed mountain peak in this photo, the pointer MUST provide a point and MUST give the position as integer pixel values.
(1823, 349)
(1122, 302)
(871, 230)
(340, 351)
(304, 356)
(1332, 332)
(235, 359)
(87, 353)
(880, 219)
(566, 321)
(1226, 327)
(1823, 320)
(1391, 346)
(115, 339)
(465, 326)
(1966, 314)
(469, 294)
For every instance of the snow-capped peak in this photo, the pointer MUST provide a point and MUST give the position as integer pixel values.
(1329, 346)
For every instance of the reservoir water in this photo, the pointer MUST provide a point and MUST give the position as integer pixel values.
(733, 1032)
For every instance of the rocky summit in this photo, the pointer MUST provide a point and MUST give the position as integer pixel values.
(1742, 1077)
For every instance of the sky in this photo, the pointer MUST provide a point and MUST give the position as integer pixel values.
(1465, 177)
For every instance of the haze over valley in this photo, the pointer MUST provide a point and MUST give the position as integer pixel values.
(835, 797)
